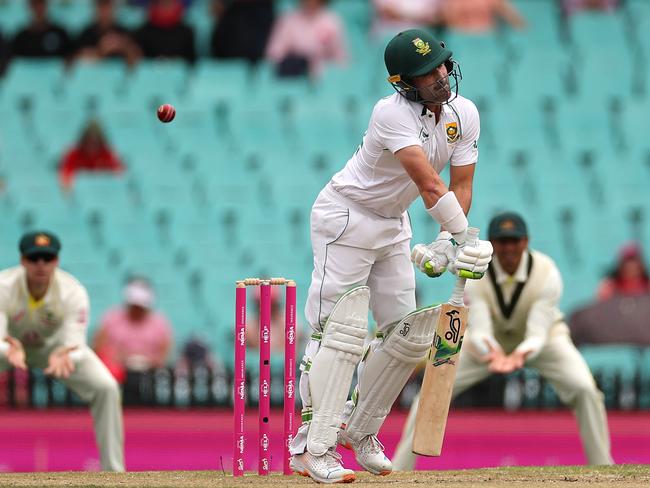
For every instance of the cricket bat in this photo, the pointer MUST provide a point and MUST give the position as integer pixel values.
(440, 370)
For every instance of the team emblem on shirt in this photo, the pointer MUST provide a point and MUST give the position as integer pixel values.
(452, 132)
(421, 47)
(49, 319)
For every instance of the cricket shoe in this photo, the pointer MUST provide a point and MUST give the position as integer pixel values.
(326, 468)
(369, 453)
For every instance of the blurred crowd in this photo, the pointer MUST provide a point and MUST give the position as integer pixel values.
(298, 42)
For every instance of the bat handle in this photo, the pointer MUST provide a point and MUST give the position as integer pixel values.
(459, 289)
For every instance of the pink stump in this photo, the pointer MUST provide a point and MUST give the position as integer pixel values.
(289, 371)
(239, 393)
(265, 378)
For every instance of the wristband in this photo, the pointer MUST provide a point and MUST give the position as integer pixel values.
(449, 214)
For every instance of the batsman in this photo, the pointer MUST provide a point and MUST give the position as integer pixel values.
(360, 234)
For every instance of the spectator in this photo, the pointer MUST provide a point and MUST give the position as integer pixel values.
(165, 35)
(41, 38)
(393, 16)
(622, 319)
(570, 7)
(479, 16)
(629, 277)
(134, 337)
(92, 153)
(242, 28)
(106, 38)
(43, 324)
(304, 39)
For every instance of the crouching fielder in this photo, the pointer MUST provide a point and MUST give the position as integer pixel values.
(43, 321)
(514, 321)
(361, 233)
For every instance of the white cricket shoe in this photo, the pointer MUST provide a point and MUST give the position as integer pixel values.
(369, 453)
(323, 469)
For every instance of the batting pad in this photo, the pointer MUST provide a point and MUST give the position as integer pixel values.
(333, 365)
(386, 370)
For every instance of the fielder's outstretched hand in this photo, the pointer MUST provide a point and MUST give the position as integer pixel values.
(60, 365)
(16, 353)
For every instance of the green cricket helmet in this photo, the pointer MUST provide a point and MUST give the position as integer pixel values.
(415, 52)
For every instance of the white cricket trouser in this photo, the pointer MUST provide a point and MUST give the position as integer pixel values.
(563, 366)
(354, 247)
(94, 384)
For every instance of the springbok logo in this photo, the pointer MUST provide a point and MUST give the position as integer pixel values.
(421, 47)
(266, 334)
(265, 442)
(240, 464)
(265, 389)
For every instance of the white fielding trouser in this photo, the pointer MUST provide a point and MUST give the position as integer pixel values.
(354, 247)
(94, 384)
(563, 366)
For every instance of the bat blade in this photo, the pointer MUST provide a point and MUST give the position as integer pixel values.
(438, 383)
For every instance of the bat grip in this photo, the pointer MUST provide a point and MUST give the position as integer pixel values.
(459, 288)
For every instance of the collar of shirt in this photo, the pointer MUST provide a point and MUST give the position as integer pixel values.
(521, 275)
(445, 109)
(33, 304)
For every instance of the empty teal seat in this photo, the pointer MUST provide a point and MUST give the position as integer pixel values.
(615, 367)
(102, 81)
(219, 81)
(37, 80)
(156, 82)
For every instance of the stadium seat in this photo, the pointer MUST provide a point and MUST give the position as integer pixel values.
(615, 367)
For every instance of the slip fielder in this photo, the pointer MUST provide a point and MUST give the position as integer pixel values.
(360, 235)
(514, 320)
(43, 321)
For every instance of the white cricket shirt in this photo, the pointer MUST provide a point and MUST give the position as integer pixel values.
(60, 318)
(374, 178)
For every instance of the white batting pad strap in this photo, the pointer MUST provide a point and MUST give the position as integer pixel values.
(386, 370)
(332, 368)
(449, 214)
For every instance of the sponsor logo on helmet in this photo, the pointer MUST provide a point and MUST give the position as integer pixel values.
(421, 47)
(452, 132)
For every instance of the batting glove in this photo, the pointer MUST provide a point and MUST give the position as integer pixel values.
(472, 261)
(434, 258)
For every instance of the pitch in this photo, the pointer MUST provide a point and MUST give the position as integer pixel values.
(627, 475)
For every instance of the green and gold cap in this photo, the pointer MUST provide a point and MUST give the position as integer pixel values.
(39, 242)
(507, 225)
(414, 52)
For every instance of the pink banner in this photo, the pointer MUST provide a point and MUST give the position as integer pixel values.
(60, 440)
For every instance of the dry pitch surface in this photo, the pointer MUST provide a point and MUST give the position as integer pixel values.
(548, 477)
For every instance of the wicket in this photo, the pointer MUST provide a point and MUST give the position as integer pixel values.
(239, 396)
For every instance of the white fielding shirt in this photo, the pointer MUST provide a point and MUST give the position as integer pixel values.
(375, 179)
(536, 313)
(60, 318)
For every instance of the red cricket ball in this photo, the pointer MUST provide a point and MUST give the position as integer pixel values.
(166, 113)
